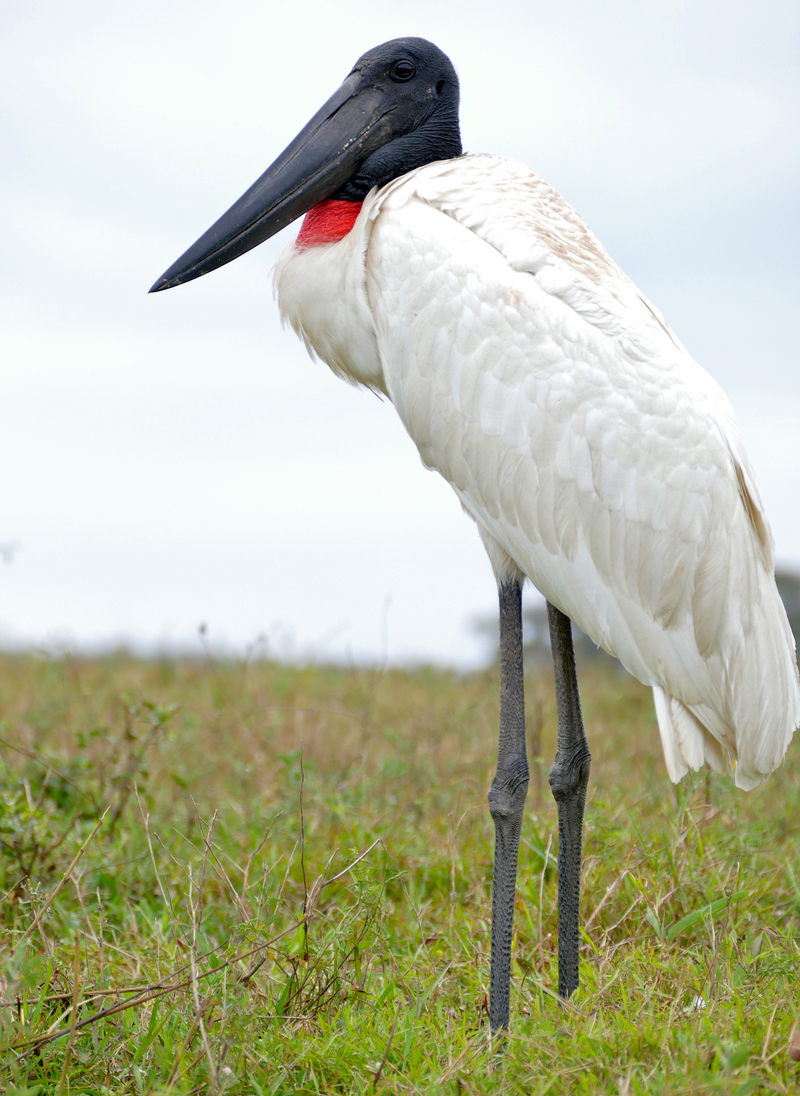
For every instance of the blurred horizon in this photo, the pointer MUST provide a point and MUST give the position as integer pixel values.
(177, 459)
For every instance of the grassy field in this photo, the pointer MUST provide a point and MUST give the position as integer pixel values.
(261, 879)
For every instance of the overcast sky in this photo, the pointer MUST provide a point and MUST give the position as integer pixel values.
(177, 459)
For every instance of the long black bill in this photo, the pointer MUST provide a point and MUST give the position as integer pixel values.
(354, 122)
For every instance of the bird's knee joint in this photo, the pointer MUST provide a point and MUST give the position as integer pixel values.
(569, 775)
(509, 788)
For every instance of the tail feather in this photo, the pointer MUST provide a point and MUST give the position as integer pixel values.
(752, 728)
(687, 743)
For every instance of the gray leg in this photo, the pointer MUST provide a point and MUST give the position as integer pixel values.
(568, 779)
(507, 799)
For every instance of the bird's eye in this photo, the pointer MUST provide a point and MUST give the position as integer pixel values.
(403, 71)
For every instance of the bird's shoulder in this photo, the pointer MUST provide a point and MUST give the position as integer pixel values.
(509, 206)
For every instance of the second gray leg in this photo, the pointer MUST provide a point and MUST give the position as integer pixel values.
(507, 799)
(569, 777)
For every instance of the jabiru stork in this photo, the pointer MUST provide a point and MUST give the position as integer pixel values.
(598, 460)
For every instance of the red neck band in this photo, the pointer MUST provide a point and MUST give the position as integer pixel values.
(326, 223)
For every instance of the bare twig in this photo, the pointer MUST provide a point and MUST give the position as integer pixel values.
(286, 874)
(145, 994)
(41, 761)
(303, 857)
(196, 911)
(180, 1052)
(151, 992)
(219, 868)
(43, 854)
(254, 854)
(377, 1074)
(536, 723)
(207, 844)
(63, 880)
(77, 885)
(541, 890)
(352, 864)
(216, 863)
(609, 891)
(769, 1030)
(76, 976)
(146, 824)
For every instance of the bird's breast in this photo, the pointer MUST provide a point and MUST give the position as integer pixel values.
(321, 287)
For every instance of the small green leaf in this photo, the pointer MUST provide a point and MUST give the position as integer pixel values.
(154, 1029)
(739, 1055)
(697, 915)
(748, 1087)
(387, 991)
(654, 921)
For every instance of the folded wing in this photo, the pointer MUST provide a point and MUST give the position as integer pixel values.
(586, 442)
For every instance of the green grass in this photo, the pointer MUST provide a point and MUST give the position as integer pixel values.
(288, 891)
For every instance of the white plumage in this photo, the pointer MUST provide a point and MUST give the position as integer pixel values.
(597, 458)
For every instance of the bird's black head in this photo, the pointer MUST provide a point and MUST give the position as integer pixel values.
(397, 110)
(420, 88)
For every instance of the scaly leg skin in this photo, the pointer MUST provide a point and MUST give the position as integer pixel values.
(568, 779)
(507, 799)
